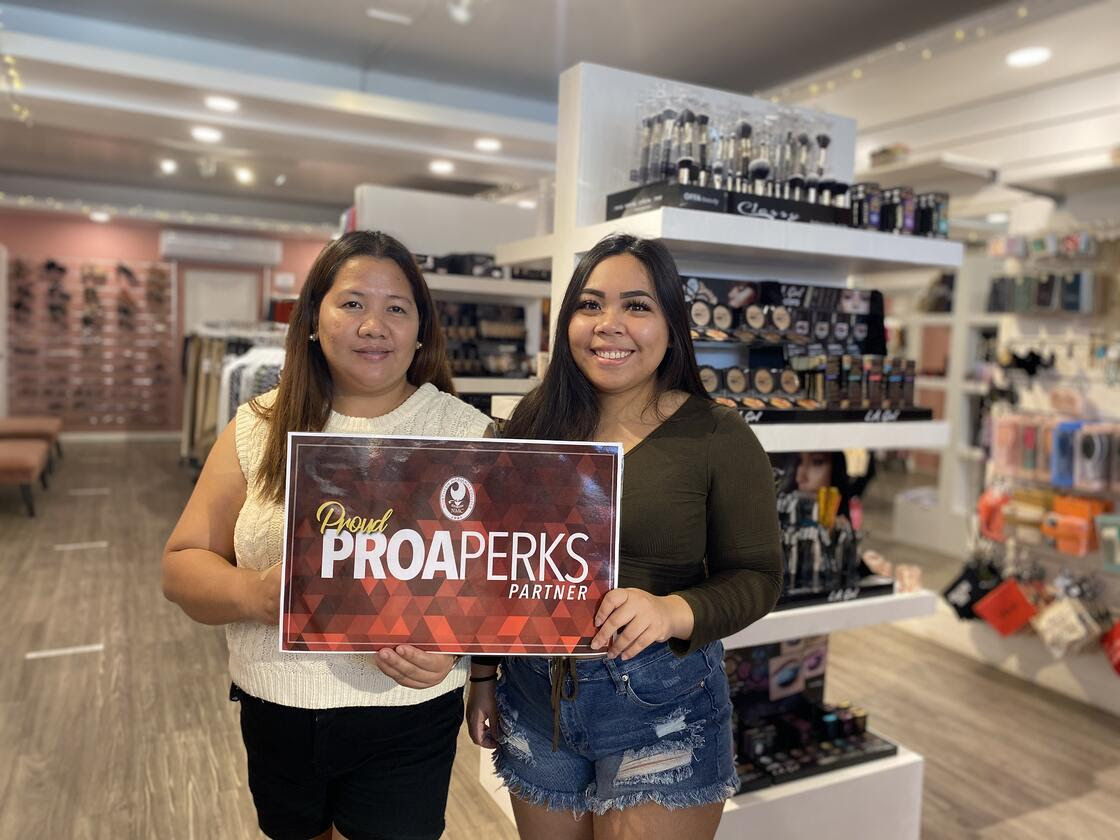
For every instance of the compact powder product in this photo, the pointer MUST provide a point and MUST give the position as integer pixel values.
(736, 380)
(763, 381)
(789, 381)
(722, 316)
(709, 378)
(755, 316)
(842, 329)
(701, 313)
(781, 318)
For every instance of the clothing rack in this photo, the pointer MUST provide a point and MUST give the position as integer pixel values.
(206, 350)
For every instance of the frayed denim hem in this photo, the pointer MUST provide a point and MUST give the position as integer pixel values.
(709, 795)
(550, 799)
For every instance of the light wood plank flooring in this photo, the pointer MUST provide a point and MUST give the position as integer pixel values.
(139, 740)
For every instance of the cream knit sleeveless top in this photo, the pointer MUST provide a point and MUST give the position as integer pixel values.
(322, 681)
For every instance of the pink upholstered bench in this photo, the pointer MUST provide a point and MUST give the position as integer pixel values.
(21, 462)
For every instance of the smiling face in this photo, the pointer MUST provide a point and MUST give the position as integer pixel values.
(618, 334)
(367, 324)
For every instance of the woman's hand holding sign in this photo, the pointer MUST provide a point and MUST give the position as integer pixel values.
(639, 619)
(415, 668)
(261, 598)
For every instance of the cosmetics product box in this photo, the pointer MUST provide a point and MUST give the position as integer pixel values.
(1064, 453)
(1006, 608)
(910, 373)
(866, 205)
(1092, 466)
(652, 196)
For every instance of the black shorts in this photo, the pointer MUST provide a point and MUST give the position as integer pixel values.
(372, 771)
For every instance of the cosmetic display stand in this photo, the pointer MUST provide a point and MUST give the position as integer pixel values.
(937, 519)
(438, 224)
(879, 800)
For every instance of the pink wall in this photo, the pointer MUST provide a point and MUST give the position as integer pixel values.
(37, 234)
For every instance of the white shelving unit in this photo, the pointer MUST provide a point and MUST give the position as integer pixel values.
(437, 223)
(881, 799)
(943, 172)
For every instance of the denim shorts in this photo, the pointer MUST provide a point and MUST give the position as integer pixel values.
(656, 728)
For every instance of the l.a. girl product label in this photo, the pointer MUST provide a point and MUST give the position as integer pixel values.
(407, 540)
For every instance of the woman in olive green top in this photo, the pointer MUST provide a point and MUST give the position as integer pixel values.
(639, 743)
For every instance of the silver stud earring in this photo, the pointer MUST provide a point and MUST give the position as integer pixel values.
(419, 344)
(313, 337)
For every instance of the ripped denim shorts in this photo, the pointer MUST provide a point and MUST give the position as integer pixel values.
(656, 728)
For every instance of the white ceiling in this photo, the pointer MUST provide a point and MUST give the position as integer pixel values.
(521, 46)
(330, 98)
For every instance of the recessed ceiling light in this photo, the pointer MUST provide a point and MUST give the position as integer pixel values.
(99, 216)
(206, 134)
(1028, 57)
(441, 167)
(389, 17)
(527, 204)
(997, 218)
(244, 175)
(225, 104)
(488, 144)
(168, 166)
(280, 180)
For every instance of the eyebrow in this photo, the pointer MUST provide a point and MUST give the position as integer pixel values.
(359, 293)
(623, 295)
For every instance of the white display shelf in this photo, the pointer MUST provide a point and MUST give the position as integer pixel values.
(946, 173)
(487, 287)
(702, 235)
(699, 234)
(796, 437)
(1061, 180)
(532, 251)
(820, 619)
(493, 385)
(879, 800)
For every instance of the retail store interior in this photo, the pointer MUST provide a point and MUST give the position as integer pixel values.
(898, 232)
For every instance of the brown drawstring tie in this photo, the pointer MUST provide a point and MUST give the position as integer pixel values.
(559, 668)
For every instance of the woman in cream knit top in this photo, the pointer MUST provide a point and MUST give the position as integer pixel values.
(322, 681)
(360, 743)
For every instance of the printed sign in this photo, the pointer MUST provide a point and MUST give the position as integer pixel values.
(459, 546)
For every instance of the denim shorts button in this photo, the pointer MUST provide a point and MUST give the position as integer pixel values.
(626, 678)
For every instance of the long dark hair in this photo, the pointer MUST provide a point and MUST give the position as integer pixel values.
(565, 405)
(303, 403)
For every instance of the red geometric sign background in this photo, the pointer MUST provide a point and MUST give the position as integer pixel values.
(529, 487)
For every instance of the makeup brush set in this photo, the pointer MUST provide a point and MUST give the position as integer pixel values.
(774, 165)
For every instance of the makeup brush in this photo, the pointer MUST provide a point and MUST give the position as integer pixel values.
(839, 194)
(684, 158)
(658, 129)
(823, 141)
(796, 184)
(744, 154)
(643, 164)
(668, 137)
(824, 190)
(812, 183)
(758, 172)
(803, 155)
(702, 143)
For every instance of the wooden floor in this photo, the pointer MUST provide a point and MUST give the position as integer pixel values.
(138, 740)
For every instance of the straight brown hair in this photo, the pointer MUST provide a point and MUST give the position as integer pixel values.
(306, 391)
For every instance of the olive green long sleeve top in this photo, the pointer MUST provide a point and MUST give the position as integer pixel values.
(699, 520)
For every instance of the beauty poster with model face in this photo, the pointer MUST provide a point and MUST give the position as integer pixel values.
(451, 545)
